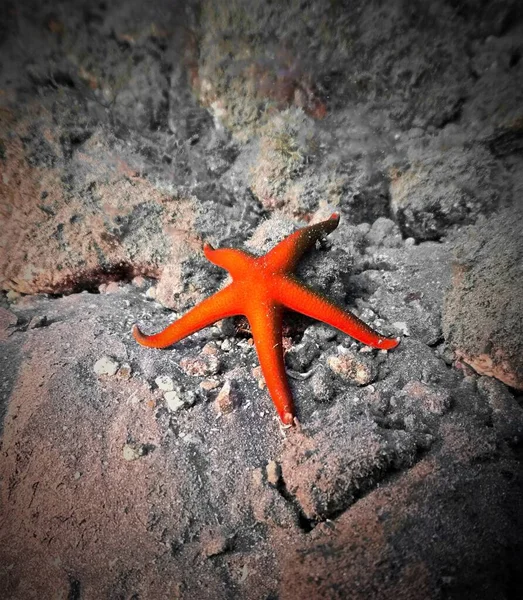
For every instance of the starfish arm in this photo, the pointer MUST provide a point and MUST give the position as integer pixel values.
(266, 328)
(231, 259)
(302, 299)
(285, 256)
(218, 306)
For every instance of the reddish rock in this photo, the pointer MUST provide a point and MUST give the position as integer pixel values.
(227, 399)
(208, 385)
(54, 241)
(112, 287)
(139, 281)
(202, 365)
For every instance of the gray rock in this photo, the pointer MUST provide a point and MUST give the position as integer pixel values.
(482, 318)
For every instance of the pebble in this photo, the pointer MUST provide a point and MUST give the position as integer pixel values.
(190, 397)
(402, 327)
(320, 333)
(131, 452)
(164, 383)
(245, 346)
(353, 367)
(138, 281)
(245, 573)
(446, 354)
(173, 400)
(363, 228)
(257, 477)
(384, 232)
(207, 385)
(151, 293)
(112, 287)
(258, 375)
(210, 349)
(367, 314)
(226, 400)
(226, 345)
(273, 472)
(201, 366)
(105, 366)
(125, 371)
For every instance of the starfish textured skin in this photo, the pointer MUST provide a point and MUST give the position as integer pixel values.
(261, 289)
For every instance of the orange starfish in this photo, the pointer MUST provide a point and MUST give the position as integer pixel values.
(262, 287)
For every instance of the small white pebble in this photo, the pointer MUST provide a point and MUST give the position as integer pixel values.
(130, 452)
(173, 401)
(164, 383)
(273, 472)
(402, 327)
(105, 366)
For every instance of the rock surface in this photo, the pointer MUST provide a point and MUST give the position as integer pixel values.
(362, 471)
